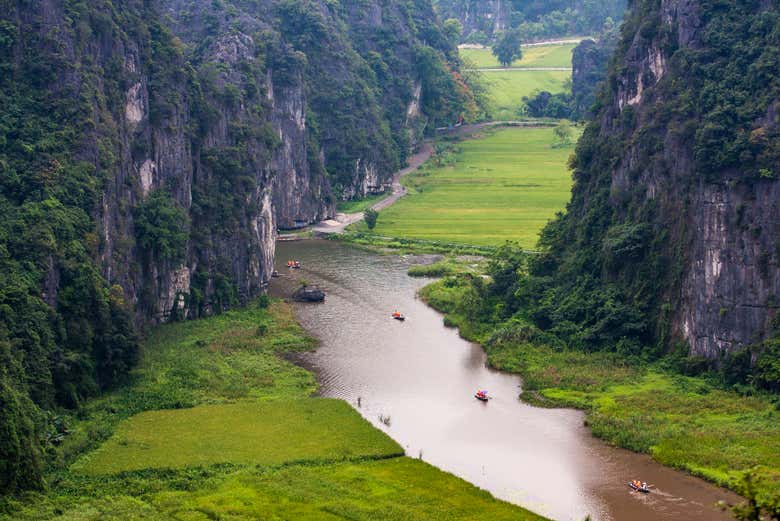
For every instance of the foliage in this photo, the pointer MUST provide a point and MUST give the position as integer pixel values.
(68, 155)
(507, 49)
(547, 105)
(691, 423)
(759, 503)
(536, 20)
(396, 488)
(611, 260)
(162, 227)
(370, 216)
(563, 134)
(216, 373)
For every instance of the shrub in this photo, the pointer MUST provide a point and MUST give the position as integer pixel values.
(371, 216)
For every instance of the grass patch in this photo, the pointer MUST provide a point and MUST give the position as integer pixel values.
(261, 433)
(359, 205)
(214, 424)
(557, 55)
(506, 89)
(221, 359)
(398, 488)
(505, 186)
(437, 269)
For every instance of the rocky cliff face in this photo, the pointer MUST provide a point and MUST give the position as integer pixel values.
(677, 189)
(486, 16)
(149, 151)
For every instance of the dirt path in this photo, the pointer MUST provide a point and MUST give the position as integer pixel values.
(342, 220)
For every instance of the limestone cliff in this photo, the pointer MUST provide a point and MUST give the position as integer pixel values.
(676, 205)
(149, 151)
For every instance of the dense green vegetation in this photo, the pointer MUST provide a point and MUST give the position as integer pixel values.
(399, 488)
(606, 265)
(506, 185)
(65, 334)
(507, 49)
(533, 20)
(694, 423)
(216, 423)
(70, 156)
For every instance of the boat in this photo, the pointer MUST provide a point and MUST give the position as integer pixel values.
(295, 265)
(638, 486)
(398, 316)
(482, 396)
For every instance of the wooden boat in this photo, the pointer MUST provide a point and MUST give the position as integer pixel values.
(638, 488)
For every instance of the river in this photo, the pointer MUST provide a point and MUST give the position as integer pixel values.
(420, 378)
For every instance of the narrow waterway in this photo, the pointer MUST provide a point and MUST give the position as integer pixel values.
(420, 377)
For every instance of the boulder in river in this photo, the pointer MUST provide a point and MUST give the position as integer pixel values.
(308, 294)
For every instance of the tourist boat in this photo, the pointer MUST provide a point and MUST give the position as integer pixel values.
(482, 396)
(639, 487)
(295, 265)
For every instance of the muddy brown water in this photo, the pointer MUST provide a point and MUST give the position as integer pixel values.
(421, 377)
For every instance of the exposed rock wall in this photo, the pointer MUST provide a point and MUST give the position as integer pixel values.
(711, 197)
(485, 16)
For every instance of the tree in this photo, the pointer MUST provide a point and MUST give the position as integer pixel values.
(162, 227)
(371, 215)
(563, 134)
(453, 30)
(507, 48)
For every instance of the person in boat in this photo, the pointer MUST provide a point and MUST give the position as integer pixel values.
(396, 314)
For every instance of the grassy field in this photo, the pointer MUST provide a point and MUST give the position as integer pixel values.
(271, 433)
(503, 187)
(506, 89)
(536, 56)
(359, 205)
(392, 489)
(214, 424)
(690, 423)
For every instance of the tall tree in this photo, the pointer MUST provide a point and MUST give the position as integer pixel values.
(507, 48)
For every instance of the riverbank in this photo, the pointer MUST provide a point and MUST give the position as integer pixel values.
(214, 422)
(685, 422)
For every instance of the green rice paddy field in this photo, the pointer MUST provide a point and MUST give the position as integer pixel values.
(508, 87)
(215, 424)
(505, 186)
(536, 56)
